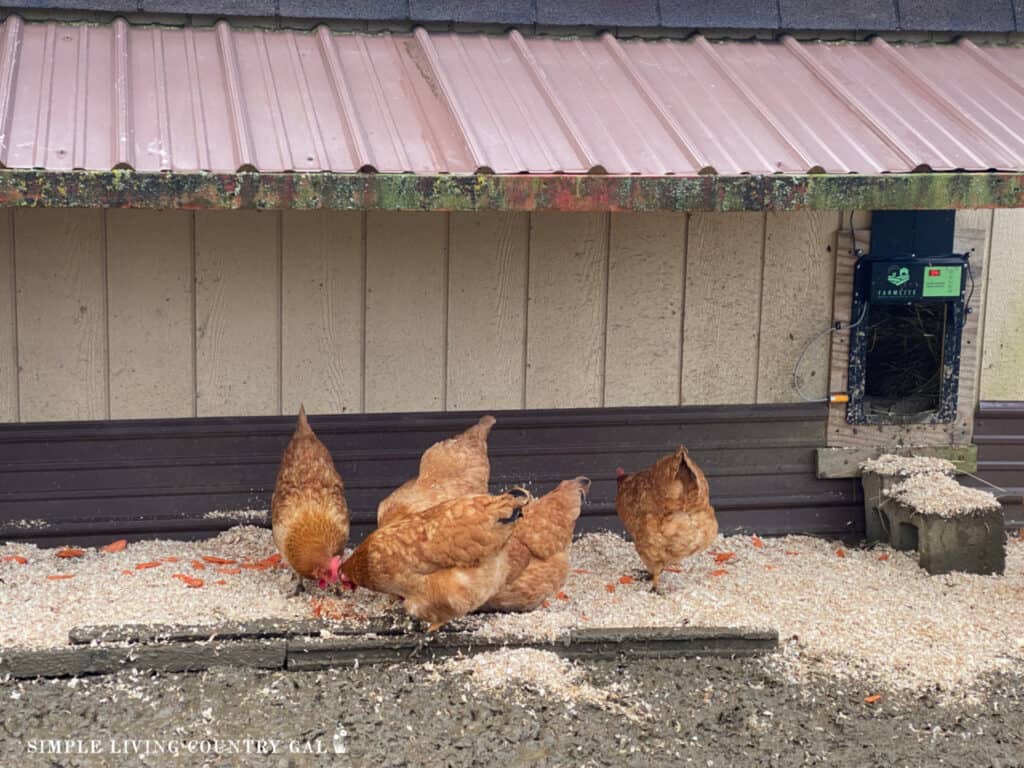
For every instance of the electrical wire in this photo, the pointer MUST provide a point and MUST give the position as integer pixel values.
(831, 329)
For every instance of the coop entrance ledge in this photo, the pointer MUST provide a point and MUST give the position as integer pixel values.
(507, 192)
(300, 646)
(835, 463)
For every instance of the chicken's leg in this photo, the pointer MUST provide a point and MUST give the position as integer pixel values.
(655, 575)
(297, 586)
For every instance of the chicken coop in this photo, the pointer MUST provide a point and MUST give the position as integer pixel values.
(617, 229)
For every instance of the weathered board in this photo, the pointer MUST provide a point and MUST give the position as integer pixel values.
(1002, 375)
(406, 287)
(643, 345)
(796, 298)
(152, 342)
(565, 339)
(238, 313)
(323, 291)
(722, 309)
(60, 267)
(487, 289)
(8, 322)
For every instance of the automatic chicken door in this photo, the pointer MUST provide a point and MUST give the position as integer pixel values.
(908, 317)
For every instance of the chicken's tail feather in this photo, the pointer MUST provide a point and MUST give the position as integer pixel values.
(516, 514)
(303, 423)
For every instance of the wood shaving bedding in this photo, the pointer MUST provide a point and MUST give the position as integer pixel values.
(867, 613)
(938, 494)
(892, 465)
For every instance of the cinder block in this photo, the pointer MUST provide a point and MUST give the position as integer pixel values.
(974, 543)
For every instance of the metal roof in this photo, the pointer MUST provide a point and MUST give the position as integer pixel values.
(97, 97)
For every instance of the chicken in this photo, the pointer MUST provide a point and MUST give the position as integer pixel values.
(443, 562)
(667, 511)
(539, 550)
(451, 468)
(310, 516)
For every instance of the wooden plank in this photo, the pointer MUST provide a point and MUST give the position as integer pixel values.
(8, 321)
(722, 308)
(62, 339)
(323, 290)
(406, 261)
(238, 305)
(566, 310)
(796, 304)
(150, 283)
(1003, 355)
(647, 253)
(836, 463)
(971, 235)
(489, 254)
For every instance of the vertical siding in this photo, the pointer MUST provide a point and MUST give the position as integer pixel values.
(1003, 356)
(8, 322)
(238, 313)
(152, 347)
(487, 274)
(248, 313)
(322, 306)
(406, 285)
(566, 310)
(647, 255)
(62, 314)
(722, 310)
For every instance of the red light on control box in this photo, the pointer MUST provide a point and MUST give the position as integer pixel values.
(934, 272)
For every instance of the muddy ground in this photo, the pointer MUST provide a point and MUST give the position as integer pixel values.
(704, 713)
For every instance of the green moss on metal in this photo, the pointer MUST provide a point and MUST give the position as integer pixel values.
(409, 192)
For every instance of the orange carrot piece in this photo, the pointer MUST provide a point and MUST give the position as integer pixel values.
(884, 557)
(840, 552)
(220, 581)
(115, 546)
(229, 571)
(170, 559)
(561, 596)
(60, 576)
(218, 560)
(270, 560)
(609, 587)
(545, 604)
(126, 572)
(69, 552)
(719, 572)
(580, 570)
(673, 570)
(151, 564)
(190, 581)
(724, 557)
(626, 579)
(198, 565)
(252, 566)
(875, 697)
(16, 559)
(756, 541)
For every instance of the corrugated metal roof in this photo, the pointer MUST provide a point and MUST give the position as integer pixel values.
(221, 99)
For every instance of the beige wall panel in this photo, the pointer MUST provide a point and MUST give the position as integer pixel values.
(487, 310)
(238, 305)
(722, 308)
(8, 321)
(566, 310)
(796, 304)
(150, 284)
(973, 233)
(647, 253)
(62, 324)
(1002, 375)
(323, 291)
(406, 260)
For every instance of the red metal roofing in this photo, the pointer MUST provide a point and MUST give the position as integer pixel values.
(221, 99)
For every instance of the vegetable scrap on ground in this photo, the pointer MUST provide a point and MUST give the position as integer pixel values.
(840, 611)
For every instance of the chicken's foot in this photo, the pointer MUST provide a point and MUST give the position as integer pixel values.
(297, 587)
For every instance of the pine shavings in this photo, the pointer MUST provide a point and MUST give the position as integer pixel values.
(941, 495)
(892, 465)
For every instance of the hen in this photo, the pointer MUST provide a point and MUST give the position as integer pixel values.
(451, 468)
(308, 509)
(539, 550)
(667, 511)
(444, 562)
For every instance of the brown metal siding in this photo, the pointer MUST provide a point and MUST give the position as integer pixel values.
(999, 435)
(96, 97)
(88, 482)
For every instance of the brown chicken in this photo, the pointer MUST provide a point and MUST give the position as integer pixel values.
(667, 511)
(444, 562)
(539, 550)
(449, 469)
(310, 517)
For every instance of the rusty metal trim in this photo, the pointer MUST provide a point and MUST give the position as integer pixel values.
(524, 192)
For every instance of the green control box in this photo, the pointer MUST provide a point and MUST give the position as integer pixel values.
(908, 281)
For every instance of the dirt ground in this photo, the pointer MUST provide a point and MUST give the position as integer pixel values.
(703, 712)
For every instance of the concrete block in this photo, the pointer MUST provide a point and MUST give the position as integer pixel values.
(973, 543)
